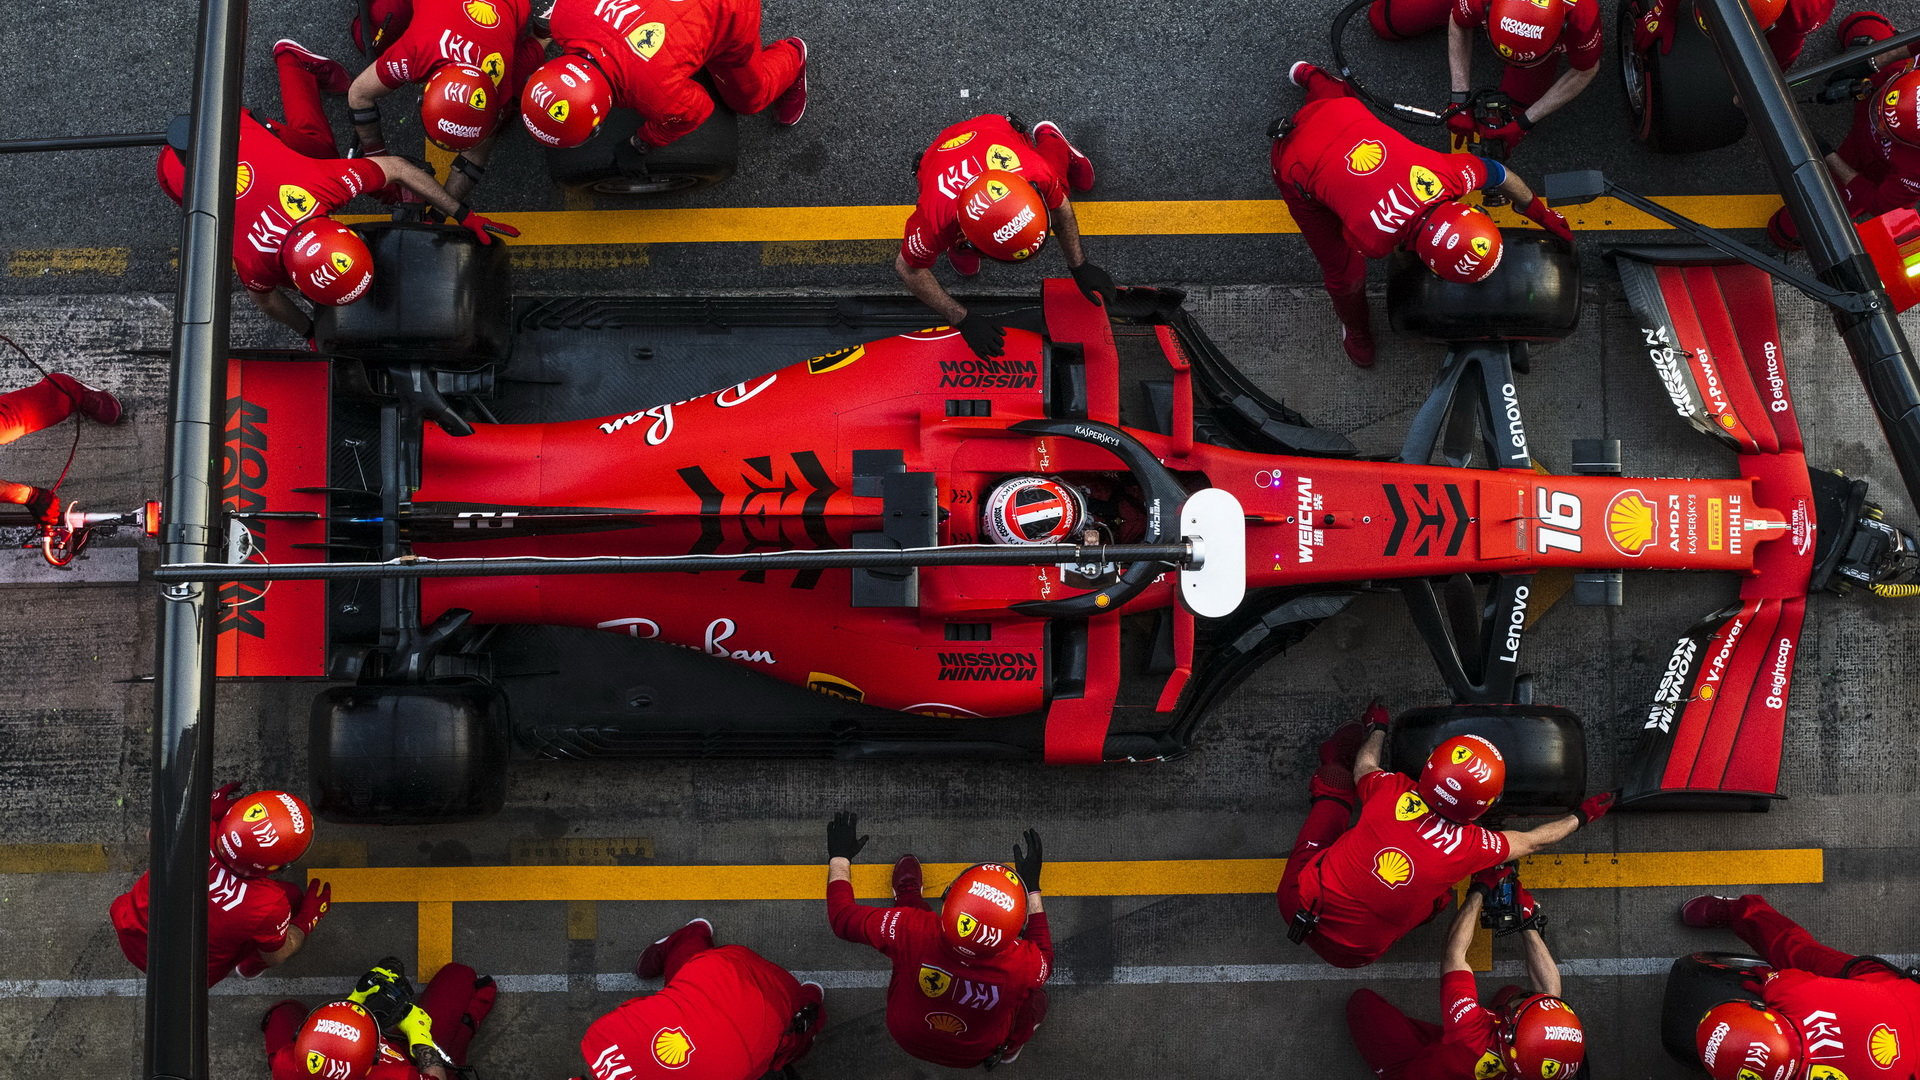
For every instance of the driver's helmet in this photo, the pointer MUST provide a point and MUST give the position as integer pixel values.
(1524, 32)
(459, 107)
(1741, 1039)
(1543, 1039)
(1459, 242)
(1900, 108)
(1033, 510)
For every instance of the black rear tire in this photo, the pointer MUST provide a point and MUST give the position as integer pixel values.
(1695, 984)
(408, 755)
(438, 296)
(1534, 295)
(607, 164)
(1545, 748)
(1679, 102)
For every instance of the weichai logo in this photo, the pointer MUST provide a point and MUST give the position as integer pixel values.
(988, 667)
(243, 478)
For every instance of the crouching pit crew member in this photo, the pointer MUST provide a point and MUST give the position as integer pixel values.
(989, 186)
(381, 1031)
(254, 920)
(1822, 1014)
(1359, 189)
(1527, 1036)
(969, 980)
(1350, 890)
(726, 1013)
(55, 397)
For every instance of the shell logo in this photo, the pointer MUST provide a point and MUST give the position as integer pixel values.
(242, 179)
(1392, 867)
(256, 812)
(1883, 1046)
(1366, 156)
(482, 13)
(946, 1023)
(672, 1048)
(1425, 186)
(1409, 807)
(956, 143)
(1706, 693)
(1630, 522)
(1489, 1066)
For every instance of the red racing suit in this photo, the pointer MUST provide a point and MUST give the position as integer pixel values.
(1398, 1047)
(651, 50)
(1388, 873)
(279, 186)
(454, 1000)
(23, 412)
(941, 1008)
(1855, 1013)
(245, 918)
(959, 154)
(1579, 40)
(1356, 187)
(489, 34)
(1889, 169)
(726, 1013)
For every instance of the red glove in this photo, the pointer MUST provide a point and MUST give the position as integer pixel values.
(480, 227)
(312, 906)
(1653, 29)
(1460, 122)
(1376, 718)
(223, 800)
(1487, 881)
(1509, 134)
(1595, 807)
(1548, 218)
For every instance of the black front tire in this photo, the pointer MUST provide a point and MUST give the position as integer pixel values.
(1545, 748)
(438, 296)
(1680, 101)
(408, 755)
(607, 163)
(1695, 984)
(1533, 295)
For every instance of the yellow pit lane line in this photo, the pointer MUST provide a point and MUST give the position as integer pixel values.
(435, 889)
(1182, 217)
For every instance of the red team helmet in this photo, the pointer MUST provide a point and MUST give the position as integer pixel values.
(1459, 242)
(264, 832)
(1462, 778)
(1543, 1039)
(1002, 216)
(339, 1041)
(1899, 108)
(565, 100)
(328, 262)
(459, 107)
(983, 911)
(1524, 32)
(1745, 1040)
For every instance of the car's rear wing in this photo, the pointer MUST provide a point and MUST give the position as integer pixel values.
(1715, 730)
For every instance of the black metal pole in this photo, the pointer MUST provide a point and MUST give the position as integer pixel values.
(1820, 71)
(176, 1036)
(1879, 348)
(81, 142)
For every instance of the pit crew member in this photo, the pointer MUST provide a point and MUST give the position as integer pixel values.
(1530, 1036)
(471, 57)
(1824, 1011)
(1787, 25)
(290, 178)
(1359, 189)
(1351, 891)
(968, 983)
(55, 397)
(726, 1013)
(989, 186)
(380, 1031)
(1877, 168)
(254, 920)
(1527, 35)
(644, 54)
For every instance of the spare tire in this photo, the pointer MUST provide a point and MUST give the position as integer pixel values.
(1680, 101)
(607, 163)
(408, 755)
(438, 296)
(1695, 984)
(1534, 295)
(1545, 748)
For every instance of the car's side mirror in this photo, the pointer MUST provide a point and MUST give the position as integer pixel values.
(179, 133)
(1574, 188)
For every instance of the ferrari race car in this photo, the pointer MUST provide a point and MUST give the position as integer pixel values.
(804, 526)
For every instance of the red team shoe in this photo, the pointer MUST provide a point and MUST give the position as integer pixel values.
(653, 959)
(965, 260)
(907, 881)
(790, 106)
(1359, 346)
(95, 404)
(1708, 911)
(1079, 165)
(1300, 72)
(333, 78)
(1343, 745)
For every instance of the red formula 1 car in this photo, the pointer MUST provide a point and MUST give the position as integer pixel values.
(596, 431)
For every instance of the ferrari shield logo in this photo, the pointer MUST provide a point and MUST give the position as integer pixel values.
(478, 99)
(256, 812)
(342, 262)
(1551, 1069)
(997, 190)
(1000, 157)
(1366, 156)
(558, 110)
(647, 38)
(1488, 1067)
(966, 924)
(1481, 246)
(1814, 1072)
(1892, 98)
(1425, 186)
(296, 201)
(1409, 807)
(934, 981)
(1461, 754)
(495, 67)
